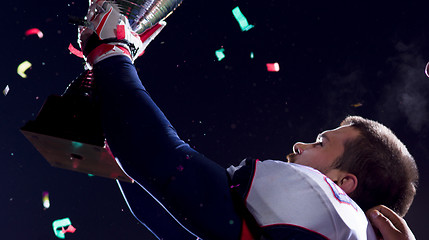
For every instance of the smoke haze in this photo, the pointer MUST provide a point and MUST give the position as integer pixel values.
(408, 92)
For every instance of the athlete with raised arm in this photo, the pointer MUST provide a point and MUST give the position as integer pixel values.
(305, 198)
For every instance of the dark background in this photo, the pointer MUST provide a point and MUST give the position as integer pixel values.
(332, 55)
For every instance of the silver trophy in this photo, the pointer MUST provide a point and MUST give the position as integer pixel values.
(143, 14)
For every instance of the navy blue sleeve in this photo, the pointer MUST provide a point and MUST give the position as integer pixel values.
(192, 186)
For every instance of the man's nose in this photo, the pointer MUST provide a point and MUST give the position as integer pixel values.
(300, 147)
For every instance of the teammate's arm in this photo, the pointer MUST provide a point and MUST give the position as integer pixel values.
(390, 225)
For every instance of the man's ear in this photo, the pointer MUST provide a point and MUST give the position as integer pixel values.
(348, 182)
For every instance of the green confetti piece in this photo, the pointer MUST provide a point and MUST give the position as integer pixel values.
(77, 144)
(60, 223)
(219, 54)
(241, 19)
(252, 55)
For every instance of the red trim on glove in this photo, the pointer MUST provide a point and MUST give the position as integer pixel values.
(149, 32)
(103, 21)
(102, 49)
(125, 50)
(120, 32)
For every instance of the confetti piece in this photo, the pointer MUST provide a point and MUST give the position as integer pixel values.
(241, 19)
(77, 144)
(75, 51)
(252, 55)
(61, 223)
(273, 67)
(357, 105)
(45, 199)
(90, 175)
(6, 90)
(22, 68)
(34, 31)
(180, 168)
(219, 54)
(69, 229)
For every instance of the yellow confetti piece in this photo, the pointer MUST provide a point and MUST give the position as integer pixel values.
(45, 199)
(22, 68)
(357, 105)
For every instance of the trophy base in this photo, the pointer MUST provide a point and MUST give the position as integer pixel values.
(67, 132)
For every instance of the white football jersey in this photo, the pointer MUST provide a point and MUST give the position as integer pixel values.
(285, 197)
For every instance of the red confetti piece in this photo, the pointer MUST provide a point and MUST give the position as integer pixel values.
(69, 229)
(34, 31)
(273, 67)
(75, 51)
(180, 168)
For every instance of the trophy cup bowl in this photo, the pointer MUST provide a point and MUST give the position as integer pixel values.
(67, 130)
(143, 14)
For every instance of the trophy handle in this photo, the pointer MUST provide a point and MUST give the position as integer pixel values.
(67, 132)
